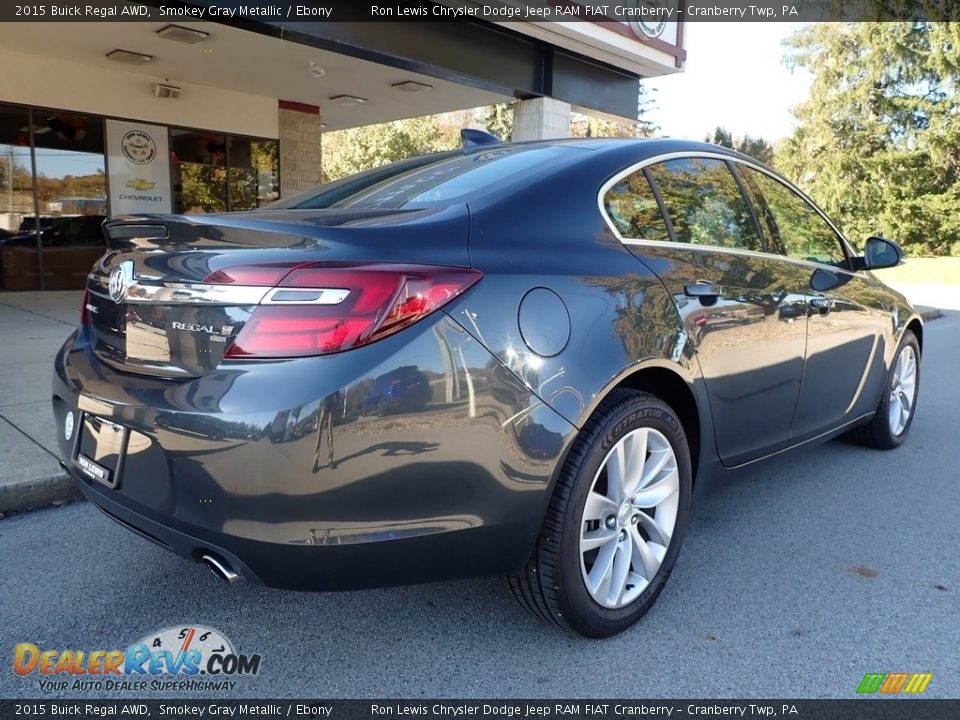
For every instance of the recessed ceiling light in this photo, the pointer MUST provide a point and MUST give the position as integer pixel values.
(179, 33)
(317, 70)
(129, 58)
(412, 86)
(348, 100)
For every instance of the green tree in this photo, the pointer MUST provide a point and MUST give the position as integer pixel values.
(349, 151)
(878, 144)
(204, 187)
(498, 119)
(592, 126)
(721, 136)
(755, 147)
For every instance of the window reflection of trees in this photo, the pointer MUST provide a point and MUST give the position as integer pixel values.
(647, 321)
(217, 173)
(705, 204)
(794, 225)
(633, 209)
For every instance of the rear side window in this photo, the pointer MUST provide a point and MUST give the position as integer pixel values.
(799, 230)
(704, 204)
(633, 209)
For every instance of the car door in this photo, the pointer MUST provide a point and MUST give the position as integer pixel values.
(688, 221)
(843, 366)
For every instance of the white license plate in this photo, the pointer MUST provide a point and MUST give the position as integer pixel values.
(100, 448)
(93, 470)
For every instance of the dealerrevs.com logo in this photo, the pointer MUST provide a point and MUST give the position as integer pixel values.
(184, 658)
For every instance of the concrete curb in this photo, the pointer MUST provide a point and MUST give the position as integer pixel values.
(928, 313)
(37, 493)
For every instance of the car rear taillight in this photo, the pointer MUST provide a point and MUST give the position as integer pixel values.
(84, 307)
(325, 308)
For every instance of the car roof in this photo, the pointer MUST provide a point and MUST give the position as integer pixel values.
(645, 147)
(596, 157)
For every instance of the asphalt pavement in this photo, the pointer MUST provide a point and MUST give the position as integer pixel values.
(796, 578)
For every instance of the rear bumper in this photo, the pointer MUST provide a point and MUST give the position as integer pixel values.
(274, 468)
(312, 567)
(180, 543)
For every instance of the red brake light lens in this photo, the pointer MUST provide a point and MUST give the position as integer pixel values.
(381, 299)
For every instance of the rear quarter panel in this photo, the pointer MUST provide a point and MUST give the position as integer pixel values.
(619, 315)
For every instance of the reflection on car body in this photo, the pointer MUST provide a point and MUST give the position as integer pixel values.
(504, 360)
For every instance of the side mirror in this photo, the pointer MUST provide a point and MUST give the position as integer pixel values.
(881, 253)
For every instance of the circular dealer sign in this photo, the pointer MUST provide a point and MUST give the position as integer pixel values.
(648, 29)
(138, 147)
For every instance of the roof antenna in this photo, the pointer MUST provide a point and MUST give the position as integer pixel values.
(470, 137)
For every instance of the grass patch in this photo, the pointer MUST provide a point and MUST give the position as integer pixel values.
(934, 271)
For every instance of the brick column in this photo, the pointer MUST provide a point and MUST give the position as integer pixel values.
(299, 147)
(540, 118)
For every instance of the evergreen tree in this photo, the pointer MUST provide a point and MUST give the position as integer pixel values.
(878, 142)
(498, 119)
(757, 148)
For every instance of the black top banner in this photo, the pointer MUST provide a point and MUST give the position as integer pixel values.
(640, 12)
(874, 709)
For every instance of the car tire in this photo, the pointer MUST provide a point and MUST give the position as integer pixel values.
(566, 583)
(882, 432)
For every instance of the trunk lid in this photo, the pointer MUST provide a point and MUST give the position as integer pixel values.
(157, 302)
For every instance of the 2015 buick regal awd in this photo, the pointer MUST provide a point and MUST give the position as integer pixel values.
(511, 359)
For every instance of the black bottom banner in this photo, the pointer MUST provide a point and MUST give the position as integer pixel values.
(883, 709)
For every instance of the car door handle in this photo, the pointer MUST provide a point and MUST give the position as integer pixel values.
(703, 290)
(823, 304)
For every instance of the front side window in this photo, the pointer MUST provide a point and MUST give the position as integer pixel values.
(632, 208)
(705, 204)
(799, 230)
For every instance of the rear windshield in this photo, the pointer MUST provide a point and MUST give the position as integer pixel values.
(429, 180)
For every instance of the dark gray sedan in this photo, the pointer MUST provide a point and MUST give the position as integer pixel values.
(511, 360)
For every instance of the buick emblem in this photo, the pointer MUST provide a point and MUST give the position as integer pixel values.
(118, 283)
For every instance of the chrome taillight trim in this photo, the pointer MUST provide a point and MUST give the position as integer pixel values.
(305, 296)
(140, 293)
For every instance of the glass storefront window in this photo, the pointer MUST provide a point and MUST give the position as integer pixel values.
(19, 259)
(16, 173)
(199, 165)
(53, 198)
(216, 173)
(254, 173)
(72, 193)
(54, 189)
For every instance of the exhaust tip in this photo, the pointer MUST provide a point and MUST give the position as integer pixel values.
(220, 568)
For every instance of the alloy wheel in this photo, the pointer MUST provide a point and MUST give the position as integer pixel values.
(903, 390)
(629, 517)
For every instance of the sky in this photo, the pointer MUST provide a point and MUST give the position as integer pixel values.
(734, 77)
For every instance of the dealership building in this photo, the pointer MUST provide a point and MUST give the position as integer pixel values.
(175, 114)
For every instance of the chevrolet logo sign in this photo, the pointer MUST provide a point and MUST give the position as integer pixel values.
(140, 184)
